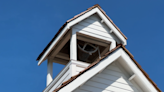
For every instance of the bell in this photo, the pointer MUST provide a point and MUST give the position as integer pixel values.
(85, 51)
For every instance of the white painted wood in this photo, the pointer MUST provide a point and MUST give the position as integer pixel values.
(107, 87)
(111, 26)
(60, 81)
(65, 79)
(93, 31)
(114, 73)
(87, 75)
(132, 77)
(52, 45)
(94, 23)
(80, 63)
(77, 20)
(146, 85)
(73, 46)
(79, 69)
(94, 34)
(113, 43)
(93, 41)
(115, 83)
(80, 90)
(61, 44)
(90, 89)
(121, 56)
(136, 86)
(114, 68)
(97, 30)
(60, 61)
(119, 79)
(73, 69)
(49, 71)
(70, 70)
(93, 26)
(63, 56)
(108, 84)
(58, 77)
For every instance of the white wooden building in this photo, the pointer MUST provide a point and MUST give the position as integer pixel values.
(92, 48)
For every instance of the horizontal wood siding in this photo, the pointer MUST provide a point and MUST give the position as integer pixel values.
(111, 79)
(93, 27)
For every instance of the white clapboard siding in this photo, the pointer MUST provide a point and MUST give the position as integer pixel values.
(92, 30)
(95, 23)
(110, 82)
(92, 26)
(81, 90)
(93, 89)
(108, 87)
(114, 68)
(111, 79)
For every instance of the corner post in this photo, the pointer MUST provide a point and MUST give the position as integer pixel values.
(113, 45)
(73, 52)
(49, 71)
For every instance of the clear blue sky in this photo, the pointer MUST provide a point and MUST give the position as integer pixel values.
(27, 26)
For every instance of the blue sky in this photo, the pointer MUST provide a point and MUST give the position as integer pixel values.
(27, 26)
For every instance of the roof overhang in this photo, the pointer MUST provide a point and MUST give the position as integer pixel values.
(78, 18)
(119, 53)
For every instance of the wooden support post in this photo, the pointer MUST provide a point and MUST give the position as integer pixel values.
(73, 69)
(73, 52)
(113, 45)
(73, 46)
(49, 71)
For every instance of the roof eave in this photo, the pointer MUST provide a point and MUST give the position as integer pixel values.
(89, 9)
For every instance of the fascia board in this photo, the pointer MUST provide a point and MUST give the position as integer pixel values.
(90, 73)
(75, 21)
(52, 45)
(82, 17)
(137, 72)
(110, 25)
(108, 60)
(68, 26)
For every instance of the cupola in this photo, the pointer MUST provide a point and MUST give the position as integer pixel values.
(80, 41)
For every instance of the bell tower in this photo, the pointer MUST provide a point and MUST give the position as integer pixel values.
(80, 42)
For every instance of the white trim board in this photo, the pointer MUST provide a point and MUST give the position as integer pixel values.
(77, 20)
(119, 53)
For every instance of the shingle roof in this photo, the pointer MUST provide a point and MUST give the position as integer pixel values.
(99, 60)
(76, 16)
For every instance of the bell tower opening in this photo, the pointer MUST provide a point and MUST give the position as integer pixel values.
(88, 52)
